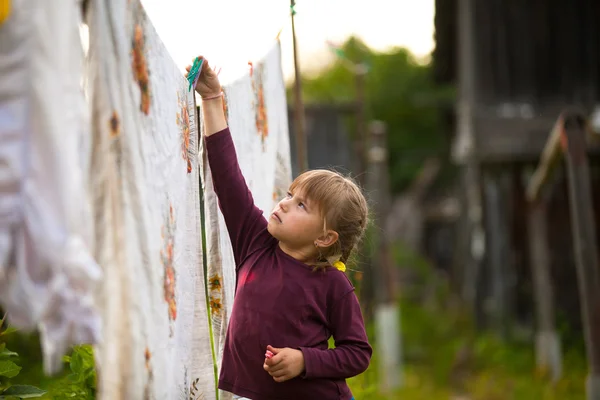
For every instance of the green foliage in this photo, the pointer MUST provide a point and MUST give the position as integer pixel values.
(400, 91)
(10, 369)
(491, 370)
(81, 382)
(22, 392)
(77, 381)
(446, 358)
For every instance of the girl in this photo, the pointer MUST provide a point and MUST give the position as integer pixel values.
(292, 294)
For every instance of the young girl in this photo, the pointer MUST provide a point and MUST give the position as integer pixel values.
(292, 294)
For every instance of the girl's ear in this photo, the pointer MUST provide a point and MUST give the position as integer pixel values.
(328, 239)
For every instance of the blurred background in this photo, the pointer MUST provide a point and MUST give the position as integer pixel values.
(474, 127)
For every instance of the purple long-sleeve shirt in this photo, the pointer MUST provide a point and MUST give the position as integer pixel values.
(281, 302)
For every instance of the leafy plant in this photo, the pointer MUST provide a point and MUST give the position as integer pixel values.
(81, 382)
(9, 369)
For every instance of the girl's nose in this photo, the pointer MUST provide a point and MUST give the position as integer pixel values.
(283, 204)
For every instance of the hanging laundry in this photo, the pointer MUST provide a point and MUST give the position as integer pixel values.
(147, 213)
(47, 275)
(256, 111)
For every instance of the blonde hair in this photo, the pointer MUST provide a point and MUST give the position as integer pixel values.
(343, 207)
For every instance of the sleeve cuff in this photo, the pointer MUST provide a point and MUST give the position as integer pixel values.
(218, 136)
(309, 362)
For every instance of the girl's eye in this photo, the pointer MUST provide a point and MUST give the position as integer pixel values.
(301, 205)
(288, 195)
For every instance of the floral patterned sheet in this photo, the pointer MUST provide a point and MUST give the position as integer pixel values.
(156, 336)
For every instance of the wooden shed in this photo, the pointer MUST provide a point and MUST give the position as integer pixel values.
(516, 64)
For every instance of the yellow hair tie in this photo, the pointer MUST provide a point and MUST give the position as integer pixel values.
(4, 10)
(340, 266)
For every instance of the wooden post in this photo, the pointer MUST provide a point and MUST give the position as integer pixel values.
(299, 117)
(498, 263)
(569, 135)
(573, 143)
(464, 153)
(360, 145)
(547, 343)
(472, 290)
(360, 73)
(387, 316)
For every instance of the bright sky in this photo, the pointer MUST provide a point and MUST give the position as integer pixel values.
(232, 32)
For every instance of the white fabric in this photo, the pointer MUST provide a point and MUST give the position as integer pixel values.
(263, 151)
(147, 210)
(47, 276)
(128, 192)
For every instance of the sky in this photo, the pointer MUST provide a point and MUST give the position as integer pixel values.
(232, 32)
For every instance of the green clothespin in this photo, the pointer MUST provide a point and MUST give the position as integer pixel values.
(194, 73)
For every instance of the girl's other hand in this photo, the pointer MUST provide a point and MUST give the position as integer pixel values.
(285, 364)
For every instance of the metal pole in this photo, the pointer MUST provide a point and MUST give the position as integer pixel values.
(299, 123)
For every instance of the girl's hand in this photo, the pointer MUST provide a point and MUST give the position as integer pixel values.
(285, 364)
(208, 84)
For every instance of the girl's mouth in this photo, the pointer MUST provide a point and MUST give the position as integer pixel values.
(274, 215)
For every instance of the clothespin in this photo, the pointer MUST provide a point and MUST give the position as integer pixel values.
(195, 72)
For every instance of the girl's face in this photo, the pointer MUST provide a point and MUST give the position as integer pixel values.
(296, 221)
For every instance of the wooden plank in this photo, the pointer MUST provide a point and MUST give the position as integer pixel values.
(548, 160)
(515, 138)
(551, 154)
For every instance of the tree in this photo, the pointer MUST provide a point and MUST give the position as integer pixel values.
(400, 91)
